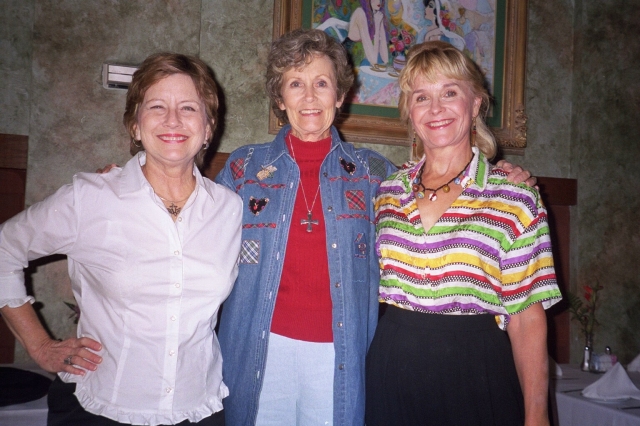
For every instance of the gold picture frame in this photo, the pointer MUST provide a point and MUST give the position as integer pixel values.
(509, 122)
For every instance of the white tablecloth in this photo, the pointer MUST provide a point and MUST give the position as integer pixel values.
(572, 409)
(32, 413)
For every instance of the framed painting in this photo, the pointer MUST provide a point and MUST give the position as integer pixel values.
(378, 34)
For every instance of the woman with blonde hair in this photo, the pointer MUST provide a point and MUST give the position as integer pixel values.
(466, 266)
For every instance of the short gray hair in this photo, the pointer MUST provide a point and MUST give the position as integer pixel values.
(295, 50)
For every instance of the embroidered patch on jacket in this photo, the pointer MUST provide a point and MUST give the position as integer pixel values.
(256, 205)
(258, 225)
(266, 172)
(353, 216)
(265, 185)
(377, 167)
(355, 199)
(347, 166)
(237, 168)
(250, 251)
(360, 246)
(352, 179)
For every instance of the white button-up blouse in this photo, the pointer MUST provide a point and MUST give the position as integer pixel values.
(148, 288)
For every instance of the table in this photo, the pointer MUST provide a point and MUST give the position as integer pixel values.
(570, 408)
(32, 413)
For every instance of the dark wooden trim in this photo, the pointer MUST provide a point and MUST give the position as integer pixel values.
(559, 191)
(14, 150)
(558, 196)
(216, 164)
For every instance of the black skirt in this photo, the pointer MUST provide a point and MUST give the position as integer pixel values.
(429, 369)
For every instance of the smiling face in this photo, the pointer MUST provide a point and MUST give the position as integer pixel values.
(309, 97)
(172, 121)
(441, 112)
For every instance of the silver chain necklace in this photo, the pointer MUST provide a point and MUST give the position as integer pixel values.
(309, 220)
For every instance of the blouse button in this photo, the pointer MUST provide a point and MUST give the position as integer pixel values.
(180, 219)
(168, 390)
(177, 285)
(176, 252)
(172, 353)
(173, 318)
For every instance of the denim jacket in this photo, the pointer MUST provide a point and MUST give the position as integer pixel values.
(267, 172)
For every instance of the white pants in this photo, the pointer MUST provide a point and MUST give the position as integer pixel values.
(298, 383)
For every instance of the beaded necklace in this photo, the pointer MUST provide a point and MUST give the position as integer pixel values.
(419, 188)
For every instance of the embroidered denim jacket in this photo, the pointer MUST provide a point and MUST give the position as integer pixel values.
(347, 202)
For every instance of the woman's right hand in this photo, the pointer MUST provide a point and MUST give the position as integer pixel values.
(75, 355)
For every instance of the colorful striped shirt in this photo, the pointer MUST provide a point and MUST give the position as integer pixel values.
(489, 253)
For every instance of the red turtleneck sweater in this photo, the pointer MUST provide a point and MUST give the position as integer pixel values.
(303, 303)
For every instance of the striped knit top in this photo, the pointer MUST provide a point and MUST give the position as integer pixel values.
(489, 253)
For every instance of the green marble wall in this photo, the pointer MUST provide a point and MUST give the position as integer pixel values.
(605, 153)
(16, 25)
(582, 94)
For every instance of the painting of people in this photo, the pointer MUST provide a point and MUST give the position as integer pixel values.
(379, 33)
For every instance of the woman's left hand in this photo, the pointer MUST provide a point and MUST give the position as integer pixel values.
(517, 174)
(74, 355)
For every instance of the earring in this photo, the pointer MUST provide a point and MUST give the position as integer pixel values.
(135, 144)
(414, 147)
(205, 146)
(474, 131)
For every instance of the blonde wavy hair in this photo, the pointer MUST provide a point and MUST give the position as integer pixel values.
(428, 60)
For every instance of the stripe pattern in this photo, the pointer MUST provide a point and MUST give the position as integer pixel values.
(489, 253)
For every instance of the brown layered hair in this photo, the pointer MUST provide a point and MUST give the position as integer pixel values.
(162, 65)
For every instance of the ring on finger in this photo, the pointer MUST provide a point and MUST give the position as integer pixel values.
(67, 360)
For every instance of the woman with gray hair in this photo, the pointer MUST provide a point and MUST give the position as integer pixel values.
(296, 328)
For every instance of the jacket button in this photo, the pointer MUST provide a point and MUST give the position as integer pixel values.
(338, 285)
(341, 367)
(339, 324)
(334, 245)
(325, 174)
(330, 208)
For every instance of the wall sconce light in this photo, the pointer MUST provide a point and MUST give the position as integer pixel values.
(115, 76)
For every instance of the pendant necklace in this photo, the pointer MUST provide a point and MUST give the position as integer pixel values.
(309, 220)
(419, 188)
(173, 208)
